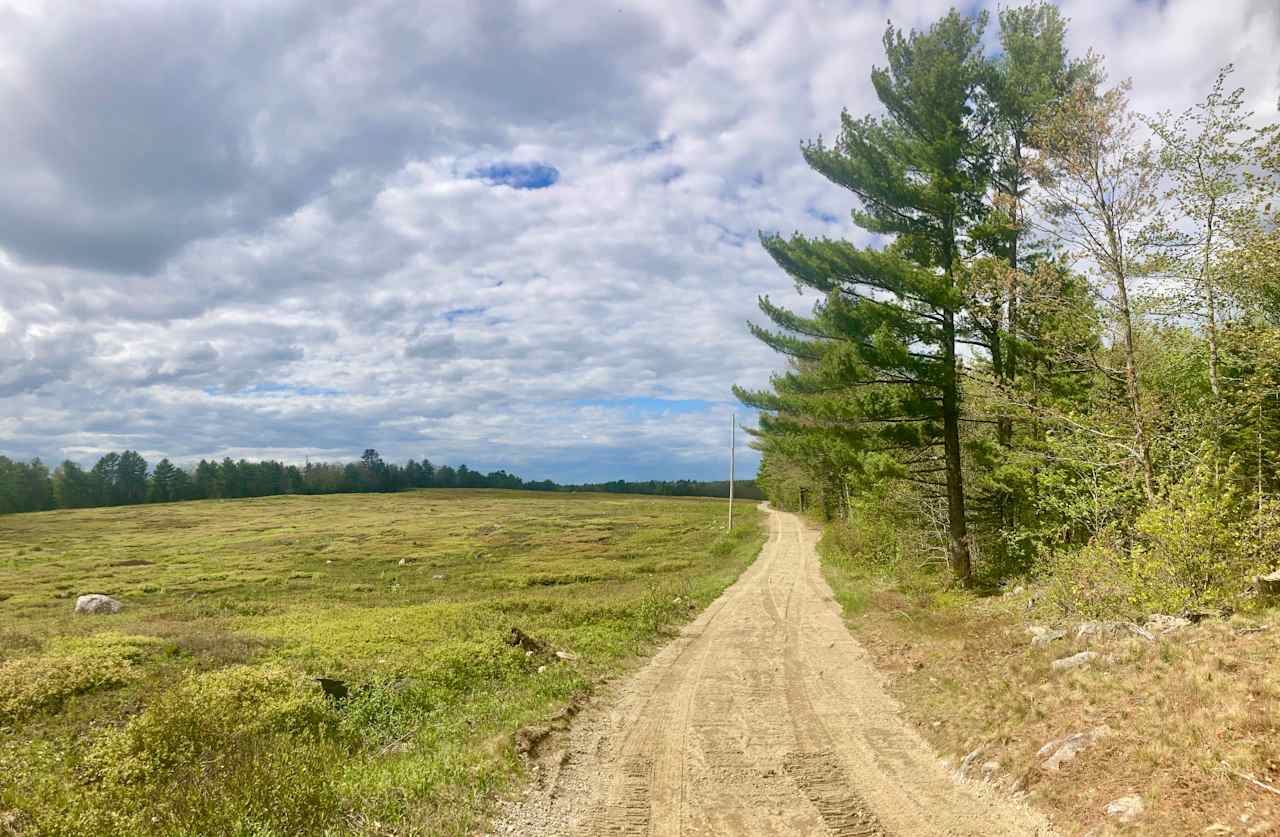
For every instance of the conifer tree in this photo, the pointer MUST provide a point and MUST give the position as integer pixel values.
(72, 487)
(875, 365)
(162, 480)
(1031, 74)
(131, 478)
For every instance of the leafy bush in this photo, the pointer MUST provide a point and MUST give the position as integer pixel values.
(242, 750)
(43, 682)
(1092, 580)
(1193, 549)
(205, 716)
(874, 543)
(1189, 553)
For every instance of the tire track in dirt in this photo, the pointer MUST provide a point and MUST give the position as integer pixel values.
(763, 717)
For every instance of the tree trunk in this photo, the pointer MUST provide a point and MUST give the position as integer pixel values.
(1131, 384)
(958, 547)
(1211, 306)
(1009, 361)
(999, 369)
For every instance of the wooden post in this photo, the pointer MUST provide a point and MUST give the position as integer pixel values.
(733, 428)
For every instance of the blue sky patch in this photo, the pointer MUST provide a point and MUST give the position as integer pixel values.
(517, 175)
(272, 388)
(454, 313)
(728, 236)
(822, 215)
(671, 173)
(649, 405)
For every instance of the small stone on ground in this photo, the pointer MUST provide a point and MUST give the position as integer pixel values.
(1041, 636)
(1064, 750)
(1084, 658)
(1161, 624)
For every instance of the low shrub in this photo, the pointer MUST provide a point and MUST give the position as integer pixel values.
(205, 715)
(243, 750)
(1094, 580)
(874, 545)
(1197, 548)
(72, 666)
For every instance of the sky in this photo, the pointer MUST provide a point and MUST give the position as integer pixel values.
(517, 235)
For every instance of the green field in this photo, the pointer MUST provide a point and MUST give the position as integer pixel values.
(194, 711)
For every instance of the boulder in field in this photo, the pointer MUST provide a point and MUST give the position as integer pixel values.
(1161, 624)
(1126, 808)
(96, 603)
(1062, 750)
(1074, 661)
(1041, 636)
(1101, 631)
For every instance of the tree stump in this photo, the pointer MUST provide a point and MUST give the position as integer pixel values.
(1269, 584)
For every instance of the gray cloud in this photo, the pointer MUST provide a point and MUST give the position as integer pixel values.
(246, 229)
(439, 346)
(134, 128)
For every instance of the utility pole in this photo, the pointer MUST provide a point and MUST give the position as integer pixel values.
(733, 429)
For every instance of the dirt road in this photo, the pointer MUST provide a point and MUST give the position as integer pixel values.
(765, 717)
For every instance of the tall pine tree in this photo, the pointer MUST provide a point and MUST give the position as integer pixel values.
(875, 382)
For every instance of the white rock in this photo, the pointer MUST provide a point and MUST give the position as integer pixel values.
(1161, 624)
(1041, 636)
(567, 656)
(97, 603)
(1139, 631)
(1066, 749)
(1074, 661)
(541, 669)
(1126, 808)
(402, 562)
(967, 761)
(1102, 631)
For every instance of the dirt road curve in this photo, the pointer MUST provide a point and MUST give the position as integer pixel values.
(765, 717)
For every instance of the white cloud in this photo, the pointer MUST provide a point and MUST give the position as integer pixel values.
(236, 229)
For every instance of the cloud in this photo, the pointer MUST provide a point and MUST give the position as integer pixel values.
(509, 235)
(440, 346)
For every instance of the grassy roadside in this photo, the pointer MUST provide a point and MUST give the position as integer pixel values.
(194, 710)
(1177, 707)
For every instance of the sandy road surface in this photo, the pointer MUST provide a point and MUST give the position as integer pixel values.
(765, 717)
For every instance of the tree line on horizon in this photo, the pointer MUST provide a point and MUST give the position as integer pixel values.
(119, 479)
(1060, 353)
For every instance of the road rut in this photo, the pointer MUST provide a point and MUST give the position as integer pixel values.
(764, 717)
